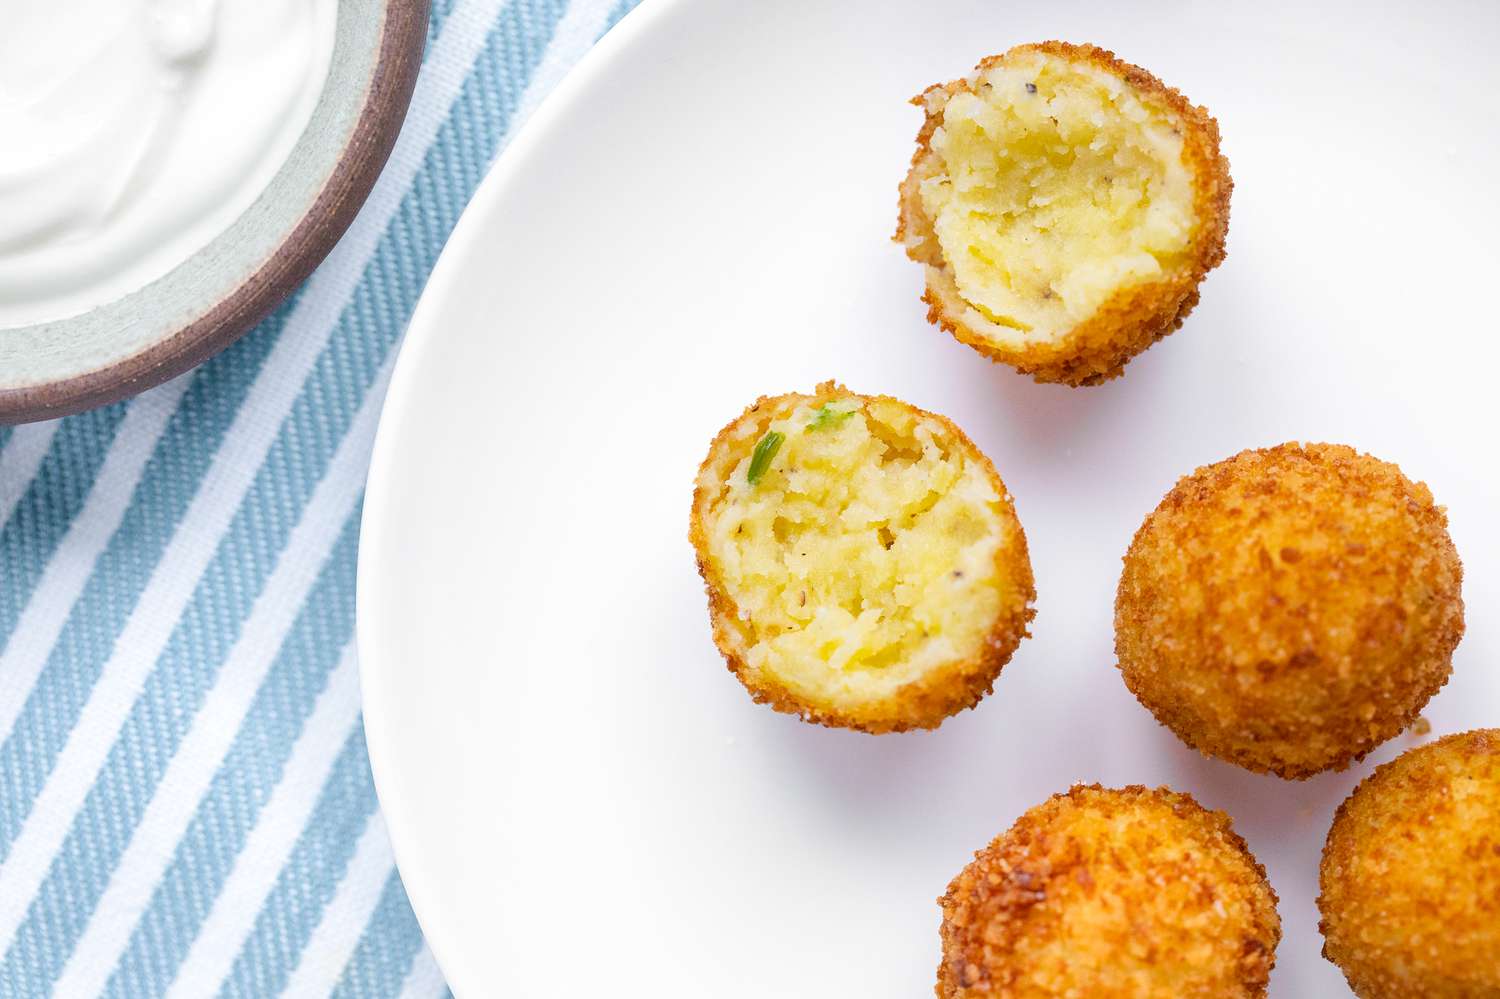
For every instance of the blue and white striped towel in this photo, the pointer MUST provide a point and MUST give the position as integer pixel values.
(185, 799)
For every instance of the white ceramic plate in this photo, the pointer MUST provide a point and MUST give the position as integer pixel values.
(583, 801)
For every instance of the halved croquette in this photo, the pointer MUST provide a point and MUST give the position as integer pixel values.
(863, 560)
(1066, 206)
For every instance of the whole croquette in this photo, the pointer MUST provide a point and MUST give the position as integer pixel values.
(1102, 894)
(1066, 206)
(863, 560)
(1290, 608)
(1411, 875)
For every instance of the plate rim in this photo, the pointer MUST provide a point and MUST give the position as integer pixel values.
(421, 333)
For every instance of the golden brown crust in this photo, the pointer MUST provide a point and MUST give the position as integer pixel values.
(1290, 608)
(1410, 876)
(1135, 317)
(1111, 893)
(923, 703)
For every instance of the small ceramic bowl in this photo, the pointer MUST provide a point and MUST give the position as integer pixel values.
(209, 300)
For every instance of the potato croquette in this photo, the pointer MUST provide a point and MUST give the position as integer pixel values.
(863, 560)
(1066, 206)
(1411, 875)
(1290, 608)
(1111, 894)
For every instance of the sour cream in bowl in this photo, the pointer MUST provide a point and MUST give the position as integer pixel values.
(171, 169)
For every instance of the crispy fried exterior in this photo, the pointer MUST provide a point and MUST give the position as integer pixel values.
(1290, 608)
(1411, 875)
(1136, 317)
(1111, 894)
(941, 691)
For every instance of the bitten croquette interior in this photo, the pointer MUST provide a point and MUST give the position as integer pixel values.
(864, 563)
(1056, 186)
(1066, 206)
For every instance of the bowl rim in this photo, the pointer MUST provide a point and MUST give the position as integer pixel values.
(403, 39)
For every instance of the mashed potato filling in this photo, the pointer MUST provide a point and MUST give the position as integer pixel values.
(863, 554)
(1055, 186)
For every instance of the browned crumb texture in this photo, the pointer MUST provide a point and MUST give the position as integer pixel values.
(1111, 893)
(1411, 875)
(939, 693)
(1136, 317)
(1290, 608)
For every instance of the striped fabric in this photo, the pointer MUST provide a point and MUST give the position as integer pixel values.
(185, 798)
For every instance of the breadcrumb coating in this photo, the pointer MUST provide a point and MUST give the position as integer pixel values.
(1110, 894)
(863, 560)
(1291, 608)
(1093, 200)
(1411, 875)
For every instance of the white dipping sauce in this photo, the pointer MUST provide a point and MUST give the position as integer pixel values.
(132, 132)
